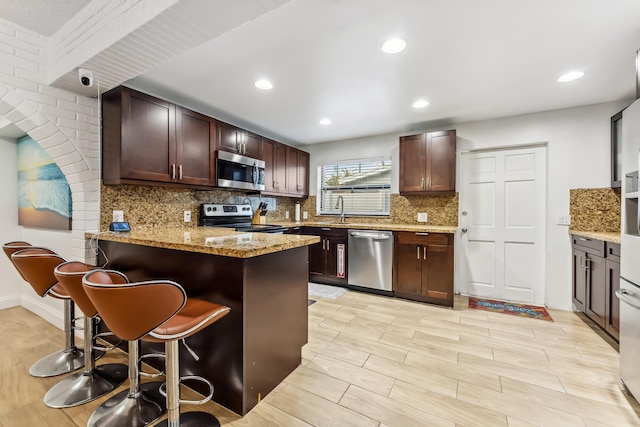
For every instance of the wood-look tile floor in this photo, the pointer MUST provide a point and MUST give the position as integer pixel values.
(378, 361)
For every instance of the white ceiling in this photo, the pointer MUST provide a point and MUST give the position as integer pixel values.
(470, 59)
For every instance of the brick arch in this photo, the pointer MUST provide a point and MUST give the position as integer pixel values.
(83, 180)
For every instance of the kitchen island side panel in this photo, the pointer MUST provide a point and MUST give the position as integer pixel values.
(237, 354)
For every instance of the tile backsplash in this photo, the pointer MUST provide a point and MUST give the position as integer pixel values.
(148, 206)
(595, 209)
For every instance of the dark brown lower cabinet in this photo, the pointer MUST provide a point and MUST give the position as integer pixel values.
(328, 259)
(423, 267)
(596, 277)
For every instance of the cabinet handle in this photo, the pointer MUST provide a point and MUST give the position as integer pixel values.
(587, 263)
(429, 182)
(180, 172)
(418, 254)
(424, 251)
(173, 171)
(422, 184)
(421, 234)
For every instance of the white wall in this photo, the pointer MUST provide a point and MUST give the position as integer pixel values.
(12, 287)
(578, 153)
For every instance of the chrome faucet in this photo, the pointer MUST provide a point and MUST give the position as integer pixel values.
(341, 203)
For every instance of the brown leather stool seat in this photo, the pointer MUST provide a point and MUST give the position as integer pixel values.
(94, 381)
(41, 278)
(156, 311)
(141, 404)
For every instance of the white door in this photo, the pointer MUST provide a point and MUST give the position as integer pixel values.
(502, 206)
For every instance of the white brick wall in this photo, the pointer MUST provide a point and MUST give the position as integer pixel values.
(65, 124)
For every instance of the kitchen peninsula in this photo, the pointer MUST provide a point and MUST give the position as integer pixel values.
(262, 277)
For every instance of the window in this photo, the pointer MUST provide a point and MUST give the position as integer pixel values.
(365, 186)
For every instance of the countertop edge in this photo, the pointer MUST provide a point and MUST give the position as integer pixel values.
(610, 237)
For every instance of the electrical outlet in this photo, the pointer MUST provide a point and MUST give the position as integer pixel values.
(187, 216)
(286, 214)
(118, 216)
(423, 217)
(563, 219)
(305, 215)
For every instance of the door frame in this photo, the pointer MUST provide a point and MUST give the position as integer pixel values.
(461, 271)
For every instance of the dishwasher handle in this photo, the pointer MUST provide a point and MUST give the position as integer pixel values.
(365, 235)
(624, 296)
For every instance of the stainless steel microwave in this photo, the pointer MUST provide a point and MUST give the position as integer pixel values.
(239, 172)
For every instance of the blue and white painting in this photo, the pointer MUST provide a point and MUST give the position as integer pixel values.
(44, 195)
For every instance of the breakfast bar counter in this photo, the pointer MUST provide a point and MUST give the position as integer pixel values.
(262, 277)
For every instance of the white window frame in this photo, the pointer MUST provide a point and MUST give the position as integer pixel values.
(331, 209)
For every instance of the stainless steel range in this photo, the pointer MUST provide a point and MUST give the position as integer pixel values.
(237, 217)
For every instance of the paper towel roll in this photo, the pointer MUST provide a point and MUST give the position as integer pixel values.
(297, 211)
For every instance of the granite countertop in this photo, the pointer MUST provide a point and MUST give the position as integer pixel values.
(210, 240)
(450, 229)
(598, 235)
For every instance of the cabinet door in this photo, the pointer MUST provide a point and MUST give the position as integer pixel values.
(251, 143)
(612, 284)
(437, 273)
(441, 161)
(267, 151)
(280, 167)
(228, 137)
(336, 267)
(408, 262)
(196, 145)
(596, 305)
(579, 279)
(148, 138)
(303, 173)
(317, 256)
(412, 163)
(291, 171)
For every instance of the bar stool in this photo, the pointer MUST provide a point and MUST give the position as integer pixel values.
(94, 381)
(156, 311)
(44, 283)
(141, 404)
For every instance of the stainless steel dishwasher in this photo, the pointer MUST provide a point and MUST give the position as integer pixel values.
(371, 259)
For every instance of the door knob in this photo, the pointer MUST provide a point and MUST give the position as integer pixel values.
(464, 229)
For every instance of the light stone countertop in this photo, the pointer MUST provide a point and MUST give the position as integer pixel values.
(605, 236)
(210, 240)
(449, 229)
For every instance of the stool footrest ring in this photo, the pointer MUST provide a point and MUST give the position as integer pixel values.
(103, 348)
(163, 390)
(152, 356)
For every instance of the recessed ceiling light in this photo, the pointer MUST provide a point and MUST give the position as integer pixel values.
(263, 84)
(325, 122)
(421, 103)
(572, 75)
(393, 46)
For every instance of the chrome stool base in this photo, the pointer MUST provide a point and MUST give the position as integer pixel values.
(193, 419)
(125, 410)
(84, 387)
(58, 363)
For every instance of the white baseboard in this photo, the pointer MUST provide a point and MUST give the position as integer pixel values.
(37, 306)
(9, 301)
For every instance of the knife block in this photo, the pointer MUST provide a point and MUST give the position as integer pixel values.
(257, 218)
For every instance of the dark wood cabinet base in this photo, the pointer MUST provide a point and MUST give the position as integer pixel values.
(250, 351)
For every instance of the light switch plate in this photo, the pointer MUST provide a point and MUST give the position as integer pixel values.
(286, 214)
(423, 217)
(118, 216)
(305, 215)
(562, 219)
(187, 216)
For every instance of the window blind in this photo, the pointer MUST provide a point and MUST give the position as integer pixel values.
(364, 184)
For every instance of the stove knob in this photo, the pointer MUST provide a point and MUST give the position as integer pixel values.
(208, 208)
(214, 208)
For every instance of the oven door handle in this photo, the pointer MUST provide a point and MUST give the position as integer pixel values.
(624, 296)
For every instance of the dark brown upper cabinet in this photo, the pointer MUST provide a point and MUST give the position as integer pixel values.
(428, 162)
(616, 150)
(286, 169)
(146, 140)
(236, 140)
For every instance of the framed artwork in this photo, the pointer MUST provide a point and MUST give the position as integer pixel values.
(44, 195)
